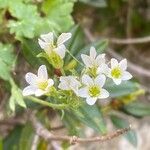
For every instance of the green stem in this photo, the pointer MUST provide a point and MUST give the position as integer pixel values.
(62, 71)
(74, 58)
(45, 103)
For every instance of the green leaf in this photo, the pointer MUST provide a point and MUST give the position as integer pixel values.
(71, 123)
(27, 19)
(137, 109)
(121, 123)
(92, 117)
(30, 50)
(6, 61)
(76, 43)
(4, 3)
(28, 22)
(26, 138)
(59, 11)
(16, 96)
(24, 28)
(95, 3)
(1, 143)
(12, 103)
(11, 141)
(125, 88)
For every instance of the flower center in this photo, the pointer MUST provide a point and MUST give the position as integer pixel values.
(94, 91)
(55, 60)
(42, 85)
(50, 48)
(116, 72)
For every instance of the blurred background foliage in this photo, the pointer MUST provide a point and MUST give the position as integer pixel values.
(22, 22)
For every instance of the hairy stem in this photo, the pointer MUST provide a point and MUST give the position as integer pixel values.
(74, 58)
(45, 103)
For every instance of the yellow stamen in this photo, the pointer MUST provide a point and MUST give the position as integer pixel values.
(94, 91)
(42, 85)
(116, 72)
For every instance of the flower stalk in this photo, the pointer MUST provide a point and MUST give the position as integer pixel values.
(45, 103)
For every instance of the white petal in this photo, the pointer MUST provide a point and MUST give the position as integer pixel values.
(83, 92)
(63, 38)
(123, 64)
(48, 38)
(39, 92)
(69, 83)
(126, 76)
(91, 101)
(114, 63)
(117, 81)
(87, 60)
(104, 94)
(31, 78)
(93, 52)
(64, 78)
(43, 44)
(74, 81)
(100, 59)
(29, 90)
(60, 50)
(87, 80)
(74, 84)
(100, 80)
(75, 89)
(103, 68)
(63, 84)
(50, 82)
(42, 73)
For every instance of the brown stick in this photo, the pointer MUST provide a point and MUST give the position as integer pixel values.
(58, 128)
(130, 40)
(48, 136)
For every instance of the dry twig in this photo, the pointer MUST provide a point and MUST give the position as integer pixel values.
(35, 142)
(49, 137)
(58, 128)
(130, 40)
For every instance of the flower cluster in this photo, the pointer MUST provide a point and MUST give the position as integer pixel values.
(89, 85)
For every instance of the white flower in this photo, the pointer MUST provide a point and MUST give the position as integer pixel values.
(93, 89)
(38, 84)
(118, 71)
(95, 64)
(69, 83)
(47, 43)
(93, 60)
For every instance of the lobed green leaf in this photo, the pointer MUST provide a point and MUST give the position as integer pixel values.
(7, 59)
